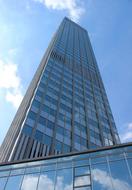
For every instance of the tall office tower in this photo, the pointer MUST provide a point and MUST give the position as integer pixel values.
(65, 108)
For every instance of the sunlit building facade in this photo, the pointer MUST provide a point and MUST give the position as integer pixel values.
(63, 136)
(65, 108)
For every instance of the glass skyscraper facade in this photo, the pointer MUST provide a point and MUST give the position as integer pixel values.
(65, 108)
(103, 169)
(63, 136)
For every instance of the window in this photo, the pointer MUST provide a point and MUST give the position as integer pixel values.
(38, 135)
(83, 170)
(46, 180)
(100, 182)
(50, 124)
(42, 120)
(32, 115)
(29, 182)
(117, 170)
(27, 130)
(2, 183)
(58, 145)
(14, 183)
(66, 148)
(47, 140)
(82, 181)
(64, 179)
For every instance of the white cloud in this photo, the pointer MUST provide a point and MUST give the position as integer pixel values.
(126, 135)
(14, 97)
(74, 7)
(104, 180)
(30, 182)
(10, 82)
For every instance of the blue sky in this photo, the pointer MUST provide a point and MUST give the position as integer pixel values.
(26, 28)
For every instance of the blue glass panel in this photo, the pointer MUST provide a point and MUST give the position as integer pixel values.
(30, 182)
(46, 180)
(47, 140)
(81, 162)
(2, 183)
(27, 130)
(50, 124)
(101, 178)
(4, 173)
(32, 115)
(82, 170)
(17, 171)
(98, 159)
(130, 164)
(14, 183)
(62, 165)
(64, 179)
(38, 135)
(83, 188)
(42, 120)
(48, 167)
(33, 170)
(82, 181)
(120, 175)
(66, 148)
(58, 145)
(36, 103)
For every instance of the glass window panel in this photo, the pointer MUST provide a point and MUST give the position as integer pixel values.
(130, 164)
(38, 135)
(120, 175)
(83, 188)
(47, 140)
(17, 172)
(101, 178)
(14, 183)
(33, 170)
(61, 165)
(64, 179)
(32, 115)
(98, 159)
(66, 148)
(48, 167)
(129, 154)
(5, 167)
(27, 130)
(4, 173)
(29, 182)
(46, 180)
(82, 170)
(82, 180)
(58, 146)
(2, 183)
(116, 156)
(81, 162)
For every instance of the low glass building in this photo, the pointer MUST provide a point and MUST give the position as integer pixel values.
(108, 168)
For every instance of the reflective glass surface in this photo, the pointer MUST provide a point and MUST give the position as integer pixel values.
(64, 179)
(47, 180)
(2, 183)
(101, 177)
(69, 108)
(30, 182)
(85, 171)
(14, 183)
(121, 180)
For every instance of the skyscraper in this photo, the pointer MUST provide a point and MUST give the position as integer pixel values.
(65, 108)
